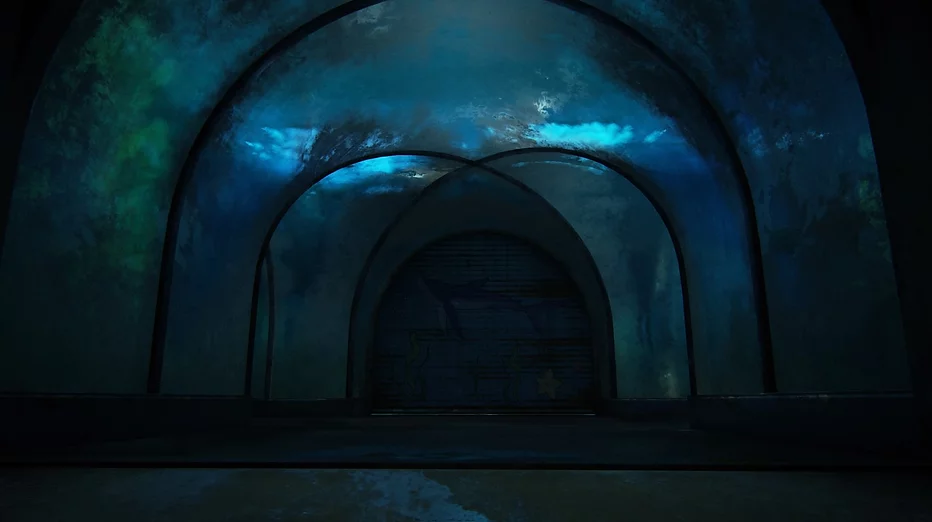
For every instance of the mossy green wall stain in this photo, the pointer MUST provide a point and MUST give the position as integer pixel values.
(123, 98)
(122, 150)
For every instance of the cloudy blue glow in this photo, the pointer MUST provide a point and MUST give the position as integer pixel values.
(386, 188)
(654, 136)
(594, 135)
(281, 149)
(284, 151)
(467, 136)
(367, 170)
(378, 175)
(590, 166)
(525, 91)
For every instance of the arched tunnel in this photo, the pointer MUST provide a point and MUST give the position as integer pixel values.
(632, 223)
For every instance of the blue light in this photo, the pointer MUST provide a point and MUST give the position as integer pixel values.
(654, 136)
(369, 172)
(590, 166)
(585, 135)
(383, 189)
(280, 150)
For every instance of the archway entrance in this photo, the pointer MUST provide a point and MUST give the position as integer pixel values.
(483, 322)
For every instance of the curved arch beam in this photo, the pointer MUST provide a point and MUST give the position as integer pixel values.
(481, 164)
(221, 109)
(604, 350)
(269, 349)
(157, 352)
(265, 260)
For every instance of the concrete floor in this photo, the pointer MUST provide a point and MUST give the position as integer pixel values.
(250, 474)
(233, 495)
(469, 441)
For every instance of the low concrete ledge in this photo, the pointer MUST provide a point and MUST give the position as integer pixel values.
(883, 422)
(75, 419)
(645, 410)
(874, 422)
(307, 408)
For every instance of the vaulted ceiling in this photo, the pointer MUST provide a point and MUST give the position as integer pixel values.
(169, 136)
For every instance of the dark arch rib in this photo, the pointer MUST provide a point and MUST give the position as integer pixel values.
(265, 260)
(270, 342)
(481, 164)
(768, 372)
(163, 299)
(157, 352)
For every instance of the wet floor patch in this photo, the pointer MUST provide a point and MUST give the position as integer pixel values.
(205, 495)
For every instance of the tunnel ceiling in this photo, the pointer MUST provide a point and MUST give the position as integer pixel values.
(717, 107)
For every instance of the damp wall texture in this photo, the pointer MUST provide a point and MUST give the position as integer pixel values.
(778, 75)
(319, 250)
(133, 82)
(323, 244)
(637, 260)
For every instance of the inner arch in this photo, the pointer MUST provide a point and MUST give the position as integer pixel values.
(648, 359)
(483, 321)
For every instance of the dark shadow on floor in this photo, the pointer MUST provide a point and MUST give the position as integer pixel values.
(481, 442)
(251, 495)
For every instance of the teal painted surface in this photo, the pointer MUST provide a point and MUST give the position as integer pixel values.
(79, 268)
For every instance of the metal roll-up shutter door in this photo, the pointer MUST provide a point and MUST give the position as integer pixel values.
(482, 322)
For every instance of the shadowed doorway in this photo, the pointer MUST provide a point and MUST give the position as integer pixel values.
(485, 323)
